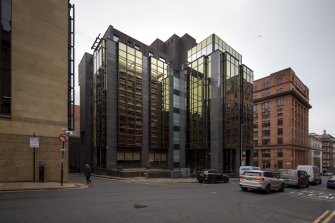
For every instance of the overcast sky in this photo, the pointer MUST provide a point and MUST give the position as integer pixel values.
(271, 35)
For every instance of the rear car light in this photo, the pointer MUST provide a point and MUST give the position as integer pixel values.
(242, 177)
(259, 178)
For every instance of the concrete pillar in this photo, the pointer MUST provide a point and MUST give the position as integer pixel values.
(111, 104)
(145, 112)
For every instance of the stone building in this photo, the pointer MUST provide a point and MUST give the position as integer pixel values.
(36, 86)
(328, 152)
(315, 153)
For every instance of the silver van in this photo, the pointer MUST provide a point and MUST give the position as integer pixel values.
(297, 178)
(313, 172)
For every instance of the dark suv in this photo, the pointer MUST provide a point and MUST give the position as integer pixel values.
(212, 176)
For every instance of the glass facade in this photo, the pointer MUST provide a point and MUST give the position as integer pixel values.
(5, 64)
(164, 114)
(209, 45)
(198, 120)
(99, 101)
(159, 112)
(129, 104)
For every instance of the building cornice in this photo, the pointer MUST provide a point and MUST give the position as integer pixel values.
(291, 92)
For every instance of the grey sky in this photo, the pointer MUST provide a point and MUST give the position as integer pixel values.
(271, 35)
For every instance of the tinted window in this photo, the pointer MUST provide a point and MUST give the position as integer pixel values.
(268, 174)
(253, 174)
(287, 172)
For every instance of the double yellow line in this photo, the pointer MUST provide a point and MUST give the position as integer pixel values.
(326, 217)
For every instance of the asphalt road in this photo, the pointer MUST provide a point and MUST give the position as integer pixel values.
(109, 200)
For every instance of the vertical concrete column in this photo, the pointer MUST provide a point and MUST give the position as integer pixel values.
(85, 70)
(145, 112)
(171, 144)
(111, 104)
(182, 153)
(216, 113)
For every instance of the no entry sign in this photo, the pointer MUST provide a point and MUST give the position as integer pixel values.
(63, 137)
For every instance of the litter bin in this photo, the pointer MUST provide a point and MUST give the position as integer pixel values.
(41, 166)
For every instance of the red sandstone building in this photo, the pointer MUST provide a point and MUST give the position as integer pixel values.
(280, 135)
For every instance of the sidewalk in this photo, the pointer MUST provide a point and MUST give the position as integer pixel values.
(144, 180)
(29, 186)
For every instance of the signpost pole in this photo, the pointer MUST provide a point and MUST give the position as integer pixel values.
(34, 161)
(64, 138)
(62, 167)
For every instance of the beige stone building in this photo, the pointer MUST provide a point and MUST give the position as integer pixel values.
(34, 87)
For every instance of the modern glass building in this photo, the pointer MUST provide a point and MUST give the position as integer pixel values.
(173, 104)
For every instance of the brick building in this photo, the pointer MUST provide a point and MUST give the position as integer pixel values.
(281, 106)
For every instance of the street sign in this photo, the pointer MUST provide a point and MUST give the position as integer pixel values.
(63, 137)
(34, 142)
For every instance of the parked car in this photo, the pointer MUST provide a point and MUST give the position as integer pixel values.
(331, 182)
(245, 168)
(261, 180)
(297, 178)
(212, 176)
(313, 172)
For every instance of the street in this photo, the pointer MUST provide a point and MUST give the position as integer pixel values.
(108, 200)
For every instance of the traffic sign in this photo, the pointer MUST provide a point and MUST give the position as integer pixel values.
(34, 142)
(63, 137)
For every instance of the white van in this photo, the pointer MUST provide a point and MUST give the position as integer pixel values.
(313, 172)
(246, 168)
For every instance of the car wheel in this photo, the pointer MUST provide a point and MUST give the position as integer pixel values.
(244, 188)
(226, 180)
(268, 189)
(282, 188)
(200, 181)
(320, 182)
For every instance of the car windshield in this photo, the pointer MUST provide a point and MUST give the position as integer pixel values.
(332, 178)
(253, 174)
